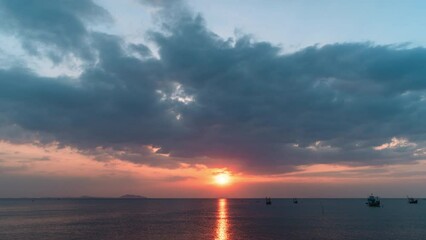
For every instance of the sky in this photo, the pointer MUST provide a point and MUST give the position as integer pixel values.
(160, 98)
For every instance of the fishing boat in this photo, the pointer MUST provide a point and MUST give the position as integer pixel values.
(268, 201)
(295, 201)
(373, 201)
(412, 200)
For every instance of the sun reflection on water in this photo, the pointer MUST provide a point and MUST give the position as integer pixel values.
(222, 220)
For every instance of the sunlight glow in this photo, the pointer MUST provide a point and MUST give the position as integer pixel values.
(222, 220)
(222, 178)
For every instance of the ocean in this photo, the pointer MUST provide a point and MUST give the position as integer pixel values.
(221, 219)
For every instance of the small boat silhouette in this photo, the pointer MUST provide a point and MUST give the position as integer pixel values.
(373, 201)
(268, 201)
(295, 201)
(412, 200)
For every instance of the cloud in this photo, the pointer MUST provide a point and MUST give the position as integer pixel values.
(395, 143)
(220, 102)
(178, 178)
(161, 3)
(54, 28)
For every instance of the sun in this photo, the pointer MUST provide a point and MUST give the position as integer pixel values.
(222, 178)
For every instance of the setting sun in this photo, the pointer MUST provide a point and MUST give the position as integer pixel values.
(222, 178)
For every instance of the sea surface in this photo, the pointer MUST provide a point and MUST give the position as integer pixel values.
(222, 219)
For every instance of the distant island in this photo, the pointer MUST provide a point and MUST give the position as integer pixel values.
(131, 196)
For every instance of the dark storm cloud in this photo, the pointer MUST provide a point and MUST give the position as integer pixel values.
(220, 102)
(52, 27)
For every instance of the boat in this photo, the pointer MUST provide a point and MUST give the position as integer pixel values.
(412, 200)
(373, 201)
(268, 201)
(295, 201)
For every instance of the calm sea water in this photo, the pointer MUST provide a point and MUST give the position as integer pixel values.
(222, 219)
